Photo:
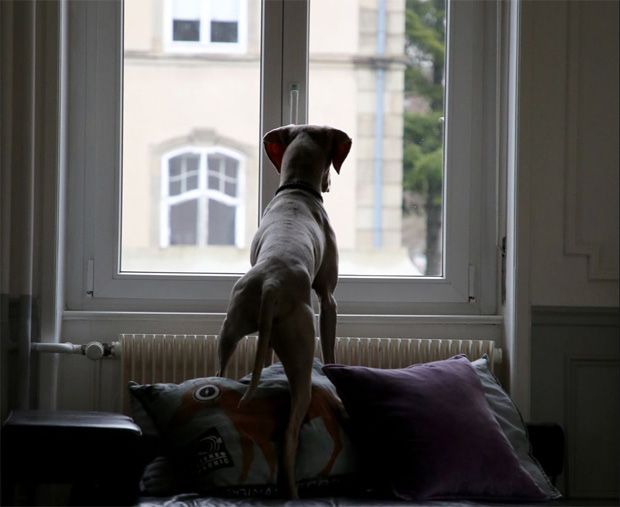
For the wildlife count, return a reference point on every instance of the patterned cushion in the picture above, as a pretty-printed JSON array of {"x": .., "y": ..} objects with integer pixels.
[{"x": 221, "y": 449}]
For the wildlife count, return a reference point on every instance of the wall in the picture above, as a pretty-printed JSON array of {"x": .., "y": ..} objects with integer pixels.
[{"x": 569, "y": 146}]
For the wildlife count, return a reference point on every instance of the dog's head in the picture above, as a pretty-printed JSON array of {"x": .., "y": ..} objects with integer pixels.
[{"x": 329, "y": 144}]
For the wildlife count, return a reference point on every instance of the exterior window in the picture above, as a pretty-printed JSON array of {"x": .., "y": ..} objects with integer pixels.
[
  {"x": 414, "y": 207},
  {"x": 205, "y": 25},
  {"x": 201, "y": 199}
]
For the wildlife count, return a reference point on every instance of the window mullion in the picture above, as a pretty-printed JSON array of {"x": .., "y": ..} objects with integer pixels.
[
  {"x": 205, "y": 28},
  {"x": 285, "y": 63},
  {"x": 295, "y": 45},
  {"x": 271, "y": 91},
  {"x": 201, "y": 223}
]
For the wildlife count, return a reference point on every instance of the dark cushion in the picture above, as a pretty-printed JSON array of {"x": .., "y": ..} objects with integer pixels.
[
  {"x": 215, "y": 447},
  {"x": 427, "y": 432},
  {"x": 547, "y": 447},
  {"x": 73, "y": 447},
  {"x": 64, "y": 440}
]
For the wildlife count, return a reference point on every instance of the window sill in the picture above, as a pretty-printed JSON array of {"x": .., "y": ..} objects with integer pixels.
[{"x": 405, "y": 326}]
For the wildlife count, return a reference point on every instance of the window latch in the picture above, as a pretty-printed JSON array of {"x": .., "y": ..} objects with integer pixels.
[
  {"x": 471, "y": 295},
  {"x": 294, "y": 104},
  {"x": 90, "y": 278}
]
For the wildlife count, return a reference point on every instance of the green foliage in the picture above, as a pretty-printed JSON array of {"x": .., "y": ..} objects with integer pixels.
[
  {"x": 424, "y": 130},
  {"x": 423, "y": 154},
  {"x": 417, "y": 83},
  {"x": 425, "y": 30},
  {"x": 423, "y": 133}
]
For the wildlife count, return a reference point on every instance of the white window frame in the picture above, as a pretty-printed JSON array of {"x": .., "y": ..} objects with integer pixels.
[
  {"x": 203, "y": 191},
  {"x": 469, "y": 284},
  {"x": 204, "y": 45}
]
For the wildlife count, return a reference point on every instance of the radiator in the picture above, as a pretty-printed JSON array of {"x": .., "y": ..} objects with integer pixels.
[{"x": 151, "y": 358}]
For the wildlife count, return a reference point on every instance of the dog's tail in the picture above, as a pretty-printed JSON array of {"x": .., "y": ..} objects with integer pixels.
[{"x": 265, "y": 319}]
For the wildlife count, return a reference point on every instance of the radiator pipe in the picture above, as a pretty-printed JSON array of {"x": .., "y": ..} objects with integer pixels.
[{"x": 92, "y": 350}]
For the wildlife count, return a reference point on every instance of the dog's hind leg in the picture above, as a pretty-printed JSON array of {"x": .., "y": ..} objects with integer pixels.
[
  {"x": 296, "y": 356},
  {"x": 230, "y": 335}
]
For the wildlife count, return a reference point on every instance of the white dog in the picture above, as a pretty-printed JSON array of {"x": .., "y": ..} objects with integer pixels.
[{"x": 293, "y": 251}]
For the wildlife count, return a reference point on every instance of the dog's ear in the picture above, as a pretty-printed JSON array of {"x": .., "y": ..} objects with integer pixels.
[
  {"x": 275, "y": 142},
  {"x": 341, "y": 145}
]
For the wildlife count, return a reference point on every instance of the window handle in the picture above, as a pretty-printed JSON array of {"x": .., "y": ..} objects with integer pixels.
[{"x": 294, "y": 103}]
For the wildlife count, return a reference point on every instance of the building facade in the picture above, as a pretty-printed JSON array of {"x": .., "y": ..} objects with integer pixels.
[{"x": 191, "y": 140}]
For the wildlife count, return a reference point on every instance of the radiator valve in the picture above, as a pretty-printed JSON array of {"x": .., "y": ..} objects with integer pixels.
[{"x": 94, "y": 350}]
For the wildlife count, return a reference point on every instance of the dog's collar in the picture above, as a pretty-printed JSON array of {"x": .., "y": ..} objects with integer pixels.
[{"x": 299, "y": 185}]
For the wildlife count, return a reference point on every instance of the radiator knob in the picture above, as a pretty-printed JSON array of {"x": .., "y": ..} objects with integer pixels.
[{"x": 93, "y": 350}]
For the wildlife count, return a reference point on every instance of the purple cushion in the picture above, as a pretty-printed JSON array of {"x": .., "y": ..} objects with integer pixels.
[{"x": 428, "y": 432}]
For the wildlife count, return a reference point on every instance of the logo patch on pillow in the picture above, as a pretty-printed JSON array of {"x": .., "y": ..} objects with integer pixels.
[{"x": 211, "y": 453}]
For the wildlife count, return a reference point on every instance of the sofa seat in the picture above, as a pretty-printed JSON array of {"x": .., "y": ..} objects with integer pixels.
[{"x": 192, "y": 500}]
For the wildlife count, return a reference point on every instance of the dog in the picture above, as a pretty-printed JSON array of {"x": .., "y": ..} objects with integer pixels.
[{"x": 293, "y": 251}]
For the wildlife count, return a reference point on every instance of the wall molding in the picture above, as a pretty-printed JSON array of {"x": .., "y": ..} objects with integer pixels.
[
  {"x": 582, "y": 421},
  {"x": 574, "y": 243},
  {"x": 575, "y": 375},
  {"x": 576, "y": 316}
]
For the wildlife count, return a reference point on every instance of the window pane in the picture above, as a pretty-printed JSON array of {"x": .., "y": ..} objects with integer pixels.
[
  {"x": 224, "y": 31},
  {"x": 186, "y": 30},
  {"x": 192, "y": 182},
  {"x": 192, "y": 161},
  {"x": 230, "y": 189},
  {"x": 386, "y": 204},
  {"x": 221, "y": 224},
  {"x": 214, "y": 182},
  {"x": 184, "y": 223},
  {"x": 230, "y": 168},
  {"x": 183, "y": 173},
  {"x": 175, "y": 166},
  {"x": 174, "y": 188},
  {"x": 174, "y": 102}
]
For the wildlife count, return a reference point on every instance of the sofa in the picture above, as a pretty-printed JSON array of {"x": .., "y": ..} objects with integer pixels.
[{"x": 438, "y": 434}]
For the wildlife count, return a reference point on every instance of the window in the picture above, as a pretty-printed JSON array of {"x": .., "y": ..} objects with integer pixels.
[
  {"x": 415, "y": 206},
  {"x": 201, "y": 199},
  {"x": 394, "y": 102},
  {"x": 205, "y": 25}
]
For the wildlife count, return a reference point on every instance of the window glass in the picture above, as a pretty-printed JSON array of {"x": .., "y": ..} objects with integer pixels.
[
  {"x": 223, "y": 174},
  {"x": 186, "y": 20},
  {"x": 386, "y": 205},
  {"x": 190, "y": 127},
  {"x": 224, "y": 31},
  {"x": 183, "y": 223},
  {"x": 221, "y": 226},
  {"x": 183, "y": 173},
  {"x": 378, "y": 76}
]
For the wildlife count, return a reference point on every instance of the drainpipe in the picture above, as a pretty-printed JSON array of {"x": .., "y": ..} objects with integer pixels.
[{"x": 379, "y": 110}]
